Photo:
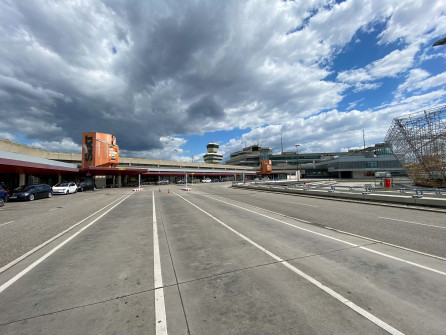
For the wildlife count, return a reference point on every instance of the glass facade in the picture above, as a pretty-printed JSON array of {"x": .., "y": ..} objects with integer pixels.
[{"x": 343, "y": 164}]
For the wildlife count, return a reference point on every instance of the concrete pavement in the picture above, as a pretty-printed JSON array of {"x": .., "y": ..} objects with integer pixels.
[{"x": 232, "y": 261}]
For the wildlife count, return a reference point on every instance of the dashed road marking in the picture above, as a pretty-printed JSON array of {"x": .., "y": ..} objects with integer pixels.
[
  {"x": 4, "y": 224},
  {"x": 380, "y": 323},
  {"x": 411, "y": 222},
  {"x": 331, "y": 237},
  {"x": 300, "y": 204}
]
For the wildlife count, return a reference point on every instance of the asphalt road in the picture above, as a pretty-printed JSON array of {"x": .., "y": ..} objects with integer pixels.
[{"x": 218, "y": 260}]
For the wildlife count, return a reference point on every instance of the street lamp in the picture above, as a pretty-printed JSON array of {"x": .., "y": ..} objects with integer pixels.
[
  {"x": 441, "y": 41},
  {"x": 297, "y": 161}
]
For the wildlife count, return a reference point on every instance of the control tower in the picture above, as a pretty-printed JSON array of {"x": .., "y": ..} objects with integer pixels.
[{"x": 213, "y": 157}]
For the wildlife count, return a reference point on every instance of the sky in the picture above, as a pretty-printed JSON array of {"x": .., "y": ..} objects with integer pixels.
[{"x": 168, "y": 77}]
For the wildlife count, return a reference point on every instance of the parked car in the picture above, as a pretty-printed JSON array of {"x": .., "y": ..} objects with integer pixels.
[
  {"x": 182, "y": 181},
  {"x": 215, "y": 180},
  {"x": 4, "y": 196},
  {"x": 206, "y": 180},
  {"x": 85, "y": 186},
  {"x": 65, "y": 188},
  {"x": 163, "y": 182},
  {"x": 31, "y": 192}
]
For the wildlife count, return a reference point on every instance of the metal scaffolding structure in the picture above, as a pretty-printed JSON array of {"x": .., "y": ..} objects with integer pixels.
[{"x": 419, "y": 142}]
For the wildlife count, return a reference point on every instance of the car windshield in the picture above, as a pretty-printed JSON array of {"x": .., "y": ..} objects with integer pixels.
[
  {"x": 25, "y": 188},
  {"x": 61, "y": 185}
]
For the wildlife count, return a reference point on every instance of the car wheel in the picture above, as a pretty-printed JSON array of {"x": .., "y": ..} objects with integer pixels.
[
  {"x": 81, "y": 189},
  {"x": 67, "y": 192},
  {"x": 31, "y": 197},
  {"x": 2, "y": 202},
  {"x": 50, "y": 194}
]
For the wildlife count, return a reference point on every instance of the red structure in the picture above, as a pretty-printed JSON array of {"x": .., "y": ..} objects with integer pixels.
[{"x": 99, "y": 150}]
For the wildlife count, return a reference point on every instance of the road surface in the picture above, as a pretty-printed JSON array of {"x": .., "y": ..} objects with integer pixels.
[{"x": 218, "y": 260}]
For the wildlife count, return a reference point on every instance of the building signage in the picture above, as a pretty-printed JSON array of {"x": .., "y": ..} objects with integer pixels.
[
  {"x": 99, "y": 150},
  {"x": 88, "y": 143}
]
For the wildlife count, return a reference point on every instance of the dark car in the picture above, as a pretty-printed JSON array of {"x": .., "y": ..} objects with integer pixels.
[
  {"x": 31, "y": 192},
  {"x": 85, "y": 186},
  {"x": 4, "y": 196}
]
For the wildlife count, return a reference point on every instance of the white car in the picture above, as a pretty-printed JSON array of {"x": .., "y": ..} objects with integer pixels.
[
  {"x": 64, "y": 188},
  {"x": 207, "y": 180}
]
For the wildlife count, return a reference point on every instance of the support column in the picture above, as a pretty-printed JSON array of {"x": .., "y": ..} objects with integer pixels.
[
  {"x": 22, "y": 179},
  {"x": 59, "y": 178},
  {"x": 119, "y": 181}
]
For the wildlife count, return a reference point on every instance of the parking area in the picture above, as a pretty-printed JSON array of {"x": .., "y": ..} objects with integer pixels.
[{"x": 24, "y": 225}]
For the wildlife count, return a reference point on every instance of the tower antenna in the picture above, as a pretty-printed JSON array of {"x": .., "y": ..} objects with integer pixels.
[
  {"x": 281, "y": 141},
  {"x": 363, "y": 137}
]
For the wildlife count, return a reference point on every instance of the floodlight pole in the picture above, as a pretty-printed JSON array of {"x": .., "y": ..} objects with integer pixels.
[{"x": 297, "y": 162}]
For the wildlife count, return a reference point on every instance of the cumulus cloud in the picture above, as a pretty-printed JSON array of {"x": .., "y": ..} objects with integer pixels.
[
  {"x": 153, "y": 72},
  {"x": 391, "y": 65},
  {"x": 420, "y": 80},
  {"x": 171, "y": 150},
  {"x": 65, "y": 145}
]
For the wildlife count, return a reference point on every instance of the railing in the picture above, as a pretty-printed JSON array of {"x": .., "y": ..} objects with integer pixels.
[{"x": 415, "y": 192}]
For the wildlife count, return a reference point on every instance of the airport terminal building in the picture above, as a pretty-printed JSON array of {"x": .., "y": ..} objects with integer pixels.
[
  {"x": 352, "y": 164},
  {"x": 20, "y": 164}
]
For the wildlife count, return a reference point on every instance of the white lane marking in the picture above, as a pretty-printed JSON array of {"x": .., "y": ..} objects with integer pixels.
[
  {"x": 380, "y": 323},
  {"x": 4, "y": 224},
  {"x": 389, "y": 244},
  {"x": 344, "y": 232},
  {"x": 333, "y": 238},
  {"x": 300, "y": 204},
  {"x": 262, "y": 209},
  {"x": 160, "y": 308},
  {"x": 14, "y": 262},
  {"x": 411, "y": 222},
  {"x": 52, "y": 251}
]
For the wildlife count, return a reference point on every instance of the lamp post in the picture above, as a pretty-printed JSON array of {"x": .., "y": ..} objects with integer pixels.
[
  {"x": 297, "y": 162},
  {"x": 441, "y": 41}
]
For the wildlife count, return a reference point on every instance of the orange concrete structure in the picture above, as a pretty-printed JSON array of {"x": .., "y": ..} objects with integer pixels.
[
  {"x": 266, "y": 167},
  {"x": 99, "y": 150}
]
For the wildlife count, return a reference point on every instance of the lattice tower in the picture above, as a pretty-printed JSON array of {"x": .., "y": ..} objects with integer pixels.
[{"x": 419, "y": 142}]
